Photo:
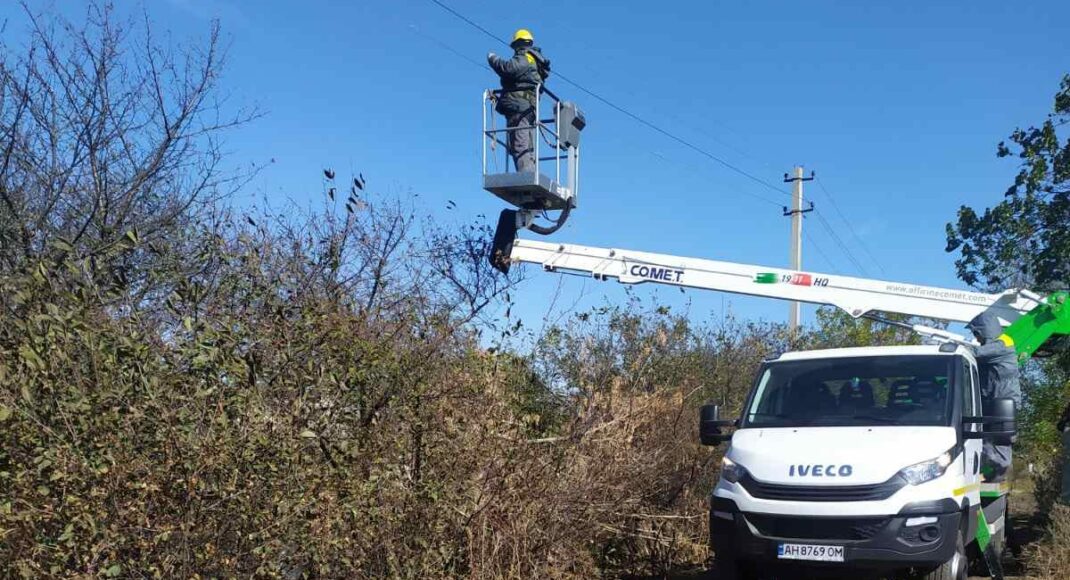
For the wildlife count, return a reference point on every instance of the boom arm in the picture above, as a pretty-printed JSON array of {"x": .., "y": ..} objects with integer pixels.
[
  {"x": 1033, "y": 318},
  {"x": 1032, "y": 331}
]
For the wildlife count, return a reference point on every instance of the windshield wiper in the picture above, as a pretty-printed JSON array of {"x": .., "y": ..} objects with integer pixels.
[{"x": 875, "y": 418}]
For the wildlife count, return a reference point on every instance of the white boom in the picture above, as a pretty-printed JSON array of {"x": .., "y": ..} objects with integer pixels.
[{"x": 856, "y": 296}]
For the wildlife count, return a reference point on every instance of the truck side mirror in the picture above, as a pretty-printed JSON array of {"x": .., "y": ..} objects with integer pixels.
[
  {"x": 1006, "y": 428},
  {"x": 999, "y": 422},
  {"x": 710, "y": 423}
]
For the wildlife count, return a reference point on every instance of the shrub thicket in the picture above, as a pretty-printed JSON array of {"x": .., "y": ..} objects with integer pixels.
[{"x": 269, "y": 424}]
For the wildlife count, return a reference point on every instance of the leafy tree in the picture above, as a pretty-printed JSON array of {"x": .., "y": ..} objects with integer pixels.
[
  {"x": 1024, "y": 240},
  {"x": 835, "y": 328}
]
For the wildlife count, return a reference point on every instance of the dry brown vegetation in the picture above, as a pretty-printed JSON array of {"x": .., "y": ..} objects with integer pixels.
[
  {"x": 265, "y": 424},
  {"x": 1047, "y": 555},
  {"x": 1050, "y": 558}
]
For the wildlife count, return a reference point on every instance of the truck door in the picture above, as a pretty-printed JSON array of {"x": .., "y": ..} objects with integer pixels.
[{"x": 971, "y": 406}]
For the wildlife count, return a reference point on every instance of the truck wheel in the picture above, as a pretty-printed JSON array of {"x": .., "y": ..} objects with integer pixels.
[{"x": 954, "y": 568}]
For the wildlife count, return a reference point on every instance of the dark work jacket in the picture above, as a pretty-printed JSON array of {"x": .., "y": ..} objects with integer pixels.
[
  {"x": 997, "y": 362},
  {"x": 520, "y": 77}
]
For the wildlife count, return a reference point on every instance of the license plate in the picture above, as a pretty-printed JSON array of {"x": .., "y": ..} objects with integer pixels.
[{"x": 810, "y": 552}]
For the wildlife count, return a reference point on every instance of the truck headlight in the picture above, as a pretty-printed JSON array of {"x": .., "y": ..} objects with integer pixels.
[
  {"x": 919, "y": 473},
  {"x": 731, "y": 471}
]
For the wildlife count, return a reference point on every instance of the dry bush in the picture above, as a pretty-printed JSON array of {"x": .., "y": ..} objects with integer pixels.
[
  {"x": 1050, "y": 558},
  {"x": 273, "y": 428},
  {"x": 624, "y": 474}
]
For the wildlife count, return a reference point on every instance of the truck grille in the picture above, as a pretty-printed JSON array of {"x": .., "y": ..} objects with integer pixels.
[
  {"x": 846, "y": 529},
  {"x": 874, "y": 492}
]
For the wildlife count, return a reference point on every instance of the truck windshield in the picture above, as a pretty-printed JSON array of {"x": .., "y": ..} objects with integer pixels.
[{"x": 854, "y": 391}]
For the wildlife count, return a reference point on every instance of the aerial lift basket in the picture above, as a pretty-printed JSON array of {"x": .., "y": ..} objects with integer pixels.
[{"x": 553, "y": 186}]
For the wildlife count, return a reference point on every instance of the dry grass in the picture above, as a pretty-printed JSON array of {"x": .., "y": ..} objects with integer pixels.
[{"x": 1050, "y": 557}]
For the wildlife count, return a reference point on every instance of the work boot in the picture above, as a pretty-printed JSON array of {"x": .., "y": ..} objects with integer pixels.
[{"x": 993, "y": 473}]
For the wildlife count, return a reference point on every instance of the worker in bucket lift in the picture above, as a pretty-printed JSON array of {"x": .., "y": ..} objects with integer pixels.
[
  {"x": 521, "y": 76},
  {"x": 997, "y": 362}
]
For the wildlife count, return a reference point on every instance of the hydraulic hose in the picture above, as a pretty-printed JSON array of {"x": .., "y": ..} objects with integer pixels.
[{"x": 545, "y": 231}]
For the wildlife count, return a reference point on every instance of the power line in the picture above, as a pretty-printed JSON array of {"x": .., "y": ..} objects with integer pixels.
[
  {"x": 839, "y": 242},
  {"x": 693, "y": 166},
  {"x": 820, "y": 252},
  {"x": 624, "y": 111},
  {"x": 708, "y": 133},
  {"x": 674, "y": 137},
  {"x": 448, "y": 48},
  {"x": 470, "y": 22},
  {"x": 854, "y": 234}
]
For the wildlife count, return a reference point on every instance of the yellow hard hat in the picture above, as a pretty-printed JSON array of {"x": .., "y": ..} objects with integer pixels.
[{"x": 523, "y": 34}]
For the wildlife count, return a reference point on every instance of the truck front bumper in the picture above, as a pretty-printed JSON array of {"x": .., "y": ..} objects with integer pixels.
[{"x": 871, "y": 542}]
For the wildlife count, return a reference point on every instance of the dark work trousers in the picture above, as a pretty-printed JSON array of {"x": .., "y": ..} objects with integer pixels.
[
  {"x": 996, "y": 459},
  {"x": 522, "y": 141}
]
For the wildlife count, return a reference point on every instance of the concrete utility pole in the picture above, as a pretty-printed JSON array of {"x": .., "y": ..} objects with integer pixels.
[{"x": 796, "y": 213}]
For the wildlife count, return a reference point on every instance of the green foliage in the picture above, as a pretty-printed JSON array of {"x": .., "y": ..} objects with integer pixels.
[
  {"x": 540, "y": 407},
  {"x": 836, "y": 329},
  {"x": 1024, "y": 240},
  {"x": 1046, "y": 389}
]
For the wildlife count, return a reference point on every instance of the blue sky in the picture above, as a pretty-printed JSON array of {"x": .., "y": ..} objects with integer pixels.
[{"x": 897, "y": 106}]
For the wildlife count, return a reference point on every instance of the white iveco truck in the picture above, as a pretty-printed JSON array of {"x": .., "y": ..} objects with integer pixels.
[
  {"x": 854, "y": 459},
  {"x": 859, "y": 458}
]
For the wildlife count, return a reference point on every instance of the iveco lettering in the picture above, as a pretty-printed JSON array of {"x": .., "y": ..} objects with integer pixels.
[{"x": 819, "y": 470}]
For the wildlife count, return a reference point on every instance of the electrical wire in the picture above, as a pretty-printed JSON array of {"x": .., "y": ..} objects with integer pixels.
[
  {"x": 820, "y": 252},
  {"x": 854, "y": 234},
  {"x": 839, "y": 242},
  {"x": 470, "y": 22},
  {"x": 448, "y": 48}
]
